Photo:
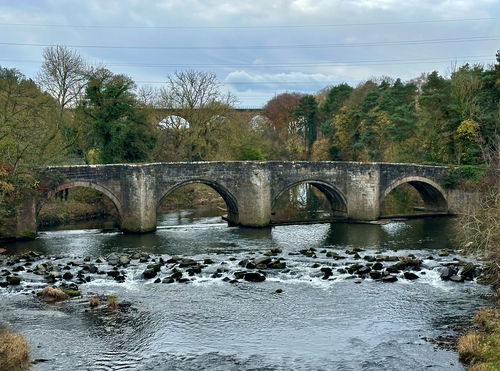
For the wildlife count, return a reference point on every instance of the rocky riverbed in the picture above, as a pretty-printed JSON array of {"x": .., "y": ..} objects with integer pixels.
[
  {"x": 32, "y": 270},
  {"x": 204, "y": 296}
]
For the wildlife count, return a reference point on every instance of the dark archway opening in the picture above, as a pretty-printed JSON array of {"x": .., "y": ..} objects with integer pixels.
[
  {"x": 308, "y": 202},
  {"x": 413, "y": 198},
  {"x": 77, "y": 207},
  {"x": 197, "y": 202}
]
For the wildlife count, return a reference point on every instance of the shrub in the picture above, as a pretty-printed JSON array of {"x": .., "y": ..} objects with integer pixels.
[
  {"x": 94, "y": 302},
  {"x": 112, "y": 302},
  {"x": 52, "y": 294},
  {"x": 13, "y": 351},
  {"x": 468, "y": 347}
]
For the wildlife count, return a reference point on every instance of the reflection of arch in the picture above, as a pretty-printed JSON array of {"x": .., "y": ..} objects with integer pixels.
[
  {"x": 432, "y": 194},
  {"x": 338, "y": 202},
  {"x": 74, "y": 184},
  {"x": 229, "y": 199}
]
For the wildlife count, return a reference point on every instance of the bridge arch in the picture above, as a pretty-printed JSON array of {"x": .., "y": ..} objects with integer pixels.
[
  {"x": 227, "y": 196},
  {"x": 432, "y": 194},
  {"x": 61, "y": 187},
  {"x": 338, "y": 201}
]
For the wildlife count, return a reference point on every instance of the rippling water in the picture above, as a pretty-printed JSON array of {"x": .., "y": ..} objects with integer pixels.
[{"x": 314, "y": 324}]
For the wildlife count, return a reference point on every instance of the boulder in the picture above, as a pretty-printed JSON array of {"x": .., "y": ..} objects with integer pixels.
[
  {"x": 155, "y": 267},
  {"x": 327, "y": 272},
  {"x": 456, "y": 278},
  {"x": 364, "y": 270},
  {"x": 375, "y": 275},
  {"x": 148, "y": 273},
  {"x": 277, "y": 265},
  {"x": 389, "y": 278},
  {"x": 309, "y": 253},
  {"x": 67, "y": 275},
  {"x": 13, "y": 280},
  {"x": 124, "y": 260},
  {"x": 119, "y": 278},
  {"x": 250, "y": 265},
  {"x": 264, "y": 260},
  {"x": 468, "y": 271},
  {"x": 410, "y": 276},
  {"x": 393, "y": 268},
  {"x": 447, "y": 272},
  {"x": 254, "y": 277},
  {"x": 113, "y": 259},
  {"x": 176, "y": 275},
  {"x": 195, "y": 269},
  {"x": 187, "y": 262},
  {"x": 377, "y": 266},
  {"x": 113, "y": 273}
]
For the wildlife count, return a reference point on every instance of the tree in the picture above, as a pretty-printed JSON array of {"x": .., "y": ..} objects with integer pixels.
[
  {"x": 279, "y": 110},
  {"x": 116, "y": 122},
  {"x": 197, "y": 112},
  {"x": 335, "y": 98},
  {"x": 63, "y": 75},
  {"x": 306, "y": 115},
  {"x": 29, "y": 135}
]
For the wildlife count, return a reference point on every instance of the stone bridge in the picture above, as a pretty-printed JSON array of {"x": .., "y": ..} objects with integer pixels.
[{"x": 250, "y": 189}]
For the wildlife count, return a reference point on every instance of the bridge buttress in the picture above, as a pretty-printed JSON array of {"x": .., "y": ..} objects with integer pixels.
[
  {"x": 254, "y": 199},
  {"x": 363, "y": 191},
  {"x": 25, "y": 218},
  {"x": 139, "y": 202}
]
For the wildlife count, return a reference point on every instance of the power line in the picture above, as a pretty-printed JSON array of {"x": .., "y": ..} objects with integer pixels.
[
  {"x": 246, "y": 27},
  {"x": 284, "y": 64},
  {"x": 291, "y": 46}
]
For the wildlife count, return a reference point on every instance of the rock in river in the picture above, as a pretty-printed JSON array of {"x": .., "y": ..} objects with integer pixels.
[
  {"x": 149, "y": 273},
  {"x": 411, "y": 276},
  {"x": 389, "y": 278},
  {"x": 254, "y": 277}
]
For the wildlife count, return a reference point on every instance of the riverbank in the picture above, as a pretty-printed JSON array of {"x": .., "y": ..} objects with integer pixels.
[
  {"x": 56, "y": 213},
  {"x": 479, "y": 349}
]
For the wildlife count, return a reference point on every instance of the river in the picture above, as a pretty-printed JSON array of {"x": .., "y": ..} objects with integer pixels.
[{"x": 294, "y": 320}]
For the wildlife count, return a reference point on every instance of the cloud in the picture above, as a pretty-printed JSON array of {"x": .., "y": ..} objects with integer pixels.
[
  {"x": 254, "y": 74},
  {"x": 245, "y": 81}
]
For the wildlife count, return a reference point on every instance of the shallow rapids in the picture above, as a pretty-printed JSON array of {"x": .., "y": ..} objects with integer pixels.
[{"x": 294, "y": 320}]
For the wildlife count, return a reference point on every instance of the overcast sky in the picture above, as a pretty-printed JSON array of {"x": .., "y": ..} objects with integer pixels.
[{"x": 257, "y": 48}]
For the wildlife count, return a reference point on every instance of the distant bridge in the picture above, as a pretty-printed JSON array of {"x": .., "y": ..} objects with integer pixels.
[{"x": 250, "y": 189}]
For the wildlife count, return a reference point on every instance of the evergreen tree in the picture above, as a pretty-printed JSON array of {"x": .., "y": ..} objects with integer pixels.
[
  {"x": 306, "y": 114},
  {"x": 116, "y": 122}
]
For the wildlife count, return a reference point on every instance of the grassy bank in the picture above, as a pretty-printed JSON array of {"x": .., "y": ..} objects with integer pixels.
[
  {"x": 479, "y": 232},
  {"x": 14, "y": 354},
  {"x": 479, "y": 349}
]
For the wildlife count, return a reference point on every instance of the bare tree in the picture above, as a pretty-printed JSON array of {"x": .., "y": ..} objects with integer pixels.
[
  {"x": 196, "y": 108},
  {"x": 63, "y": 75}
]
